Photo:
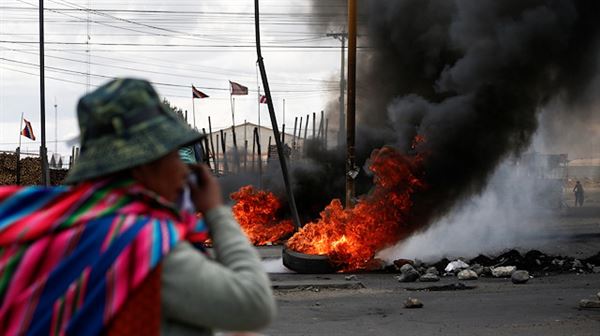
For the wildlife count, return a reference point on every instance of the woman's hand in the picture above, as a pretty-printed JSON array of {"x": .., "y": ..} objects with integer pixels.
[{"x": 206, "y": 194}]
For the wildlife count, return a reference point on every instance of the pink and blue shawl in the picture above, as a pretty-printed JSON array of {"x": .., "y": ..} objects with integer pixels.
[{"x": 69, "y": 257}]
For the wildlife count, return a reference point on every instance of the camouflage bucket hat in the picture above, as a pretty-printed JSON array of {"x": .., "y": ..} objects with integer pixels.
[{"x": 124, "y": 124}]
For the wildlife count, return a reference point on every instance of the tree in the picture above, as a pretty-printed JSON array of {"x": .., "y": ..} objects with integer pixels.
[{"x": 175, "y": 109}]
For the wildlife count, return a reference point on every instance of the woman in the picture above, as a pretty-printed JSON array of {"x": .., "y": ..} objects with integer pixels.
[{"x": 114, "y": 253}]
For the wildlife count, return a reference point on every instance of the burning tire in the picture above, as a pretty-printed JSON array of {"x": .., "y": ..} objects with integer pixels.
[{"x": 307, "y": 263}]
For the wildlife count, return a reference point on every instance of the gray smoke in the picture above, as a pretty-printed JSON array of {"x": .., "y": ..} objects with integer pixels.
[{"x": 470, "y": 76}]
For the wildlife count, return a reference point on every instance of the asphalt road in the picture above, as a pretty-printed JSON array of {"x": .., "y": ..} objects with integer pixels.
[
  {"x": 544, "y": 306},
  {"x": 324, "y": 305}
]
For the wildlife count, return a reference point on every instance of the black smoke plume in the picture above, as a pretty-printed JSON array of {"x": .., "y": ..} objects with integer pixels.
[{"x": 470, "y": 76}]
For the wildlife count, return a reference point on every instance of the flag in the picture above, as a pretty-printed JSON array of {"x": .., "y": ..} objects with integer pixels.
[
  {"x": 238, "y": 89},
  {"x": 262, "y": 99},
  {"x": 28, "y": 130},
  {"x": 198, "y": 94}
]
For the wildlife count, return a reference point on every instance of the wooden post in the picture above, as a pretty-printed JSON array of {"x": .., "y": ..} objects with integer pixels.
[
  {"x": 245, "y": 155},
  {"x": 314, "y": 125},
  {"x": 351, "y": 106},
  {"x": 269, "y": 149},
  {"x": 72, "y": 157},
  {"x": 218, "y": 167},
  {"x": 212, "y": 147},
  {"x": 283, "y": 135},
  {"x": 253, "y": 150},
  {"x": 294, "y": 134},
  {"x": 306, "y": 127},
  {"x": 205, "y": 148},
  {"x": 282, "y": 162},
  {"x": 326, "y": 131},
  {"x": 236, "y": 153},
  {"x": 18, "y": 172},
  {"x": 259, "y": 158},
  {"x": 224, "y": 149},
  {"x": 300, "y": 129},
  {"x": 320, "y": 133}
]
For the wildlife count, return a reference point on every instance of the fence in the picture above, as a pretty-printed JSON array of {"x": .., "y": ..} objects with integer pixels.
[{"x": 24, "y": 168}]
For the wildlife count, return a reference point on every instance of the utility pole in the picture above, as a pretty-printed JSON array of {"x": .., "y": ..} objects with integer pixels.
[
  {"x": 342, "y": 130},
  {"x": 280, "y": 153},
  {"x": 351, "y": 170},
  {"x": 43, "y": 152}
]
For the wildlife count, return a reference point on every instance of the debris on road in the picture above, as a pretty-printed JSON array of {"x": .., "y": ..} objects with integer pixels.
[
  {"x": 408, "y": 274},
  {"x": 351, "y": 277},
  {"x": 589, "y": 303},
  {"x": 503, "y": 271},
  {"x": 456, "y": 266},
  {"x": 429, "y": 277},
  {"x": 401, "y": 262},
  {"x": 413, "y": 303},
  {"x": 432, "y": 270},
  {"x": 520, "y": 277},
  {"x": 477, "y": 269},
  {"x": 467, "y": 275},
  {"x": 535, "y": 262}
]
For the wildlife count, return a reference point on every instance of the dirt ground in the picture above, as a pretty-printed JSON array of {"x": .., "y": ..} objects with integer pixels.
[{"x": 320, "y": 305}]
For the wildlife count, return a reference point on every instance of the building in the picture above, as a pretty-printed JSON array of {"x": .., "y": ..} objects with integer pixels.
[{"x": 226, "y": 158}]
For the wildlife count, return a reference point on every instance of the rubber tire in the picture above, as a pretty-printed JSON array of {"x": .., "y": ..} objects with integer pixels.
[{"x": 307, "y": 263}]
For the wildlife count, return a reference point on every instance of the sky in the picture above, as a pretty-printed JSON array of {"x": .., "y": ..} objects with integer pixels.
[{"x": 174, "y": 44}]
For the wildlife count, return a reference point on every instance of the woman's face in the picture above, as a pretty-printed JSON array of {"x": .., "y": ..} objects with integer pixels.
[{"x": 166, "y": 176}]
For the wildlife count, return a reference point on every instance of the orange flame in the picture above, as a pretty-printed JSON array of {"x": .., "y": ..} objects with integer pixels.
[
  {"x": 256, "y": 211},
  {"x": 351, "y": 237}
]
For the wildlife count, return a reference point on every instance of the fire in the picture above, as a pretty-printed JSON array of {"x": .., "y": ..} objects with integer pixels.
[
  {"x": 351, "y": 237},
  {"x": 256, "y": 211}
]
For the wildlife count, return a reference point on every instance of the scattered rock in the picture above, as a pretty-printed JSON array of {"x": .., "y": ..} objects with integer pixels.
[
  {"x": 351, "y": 277},
  {"x": 477, "y": 269},
  {"x": 487, "y": 271},
  {"x": 429, "y": 277},
  {"x": 401, "y": 262},
  {"x": 598, "y": 295},
  {"x": 503, "y": 271},
  {"x": 577, "y": 264},
  {"x": 482, "y": 260},
  {"x": 440, "y": 265},
  {"x": 456, "y": 266},
  {"x": 409, "y": 274},
  {"x": 511, "y": 257},
  {"x": 467, "y": 275},
  {"x": 413, "y": 303},
  {"x": 594, "y": 260},
  {"x": 519, "y": 277},
  {"x": 432, "y": 270},
  {"x": 596, "y": 269},
  {"x": 587, "y": 304}
]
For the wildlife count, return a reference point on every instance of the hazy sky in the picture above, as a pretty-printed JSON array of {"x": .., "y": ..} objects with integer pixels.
[{"x": 172, "y": 43}]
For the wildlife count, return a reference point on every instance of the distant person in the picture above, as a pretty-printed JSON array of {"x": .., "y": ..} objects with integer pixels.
[{"x": 578, "y": 190}]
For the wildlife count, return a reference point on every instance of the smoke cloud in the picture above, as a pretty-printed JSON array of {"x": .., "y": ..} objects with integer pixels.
[
  {"x": 475, "y": 78},
  {"x": 515, "y": 210},
  {"x": 472, "y": 77}
]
